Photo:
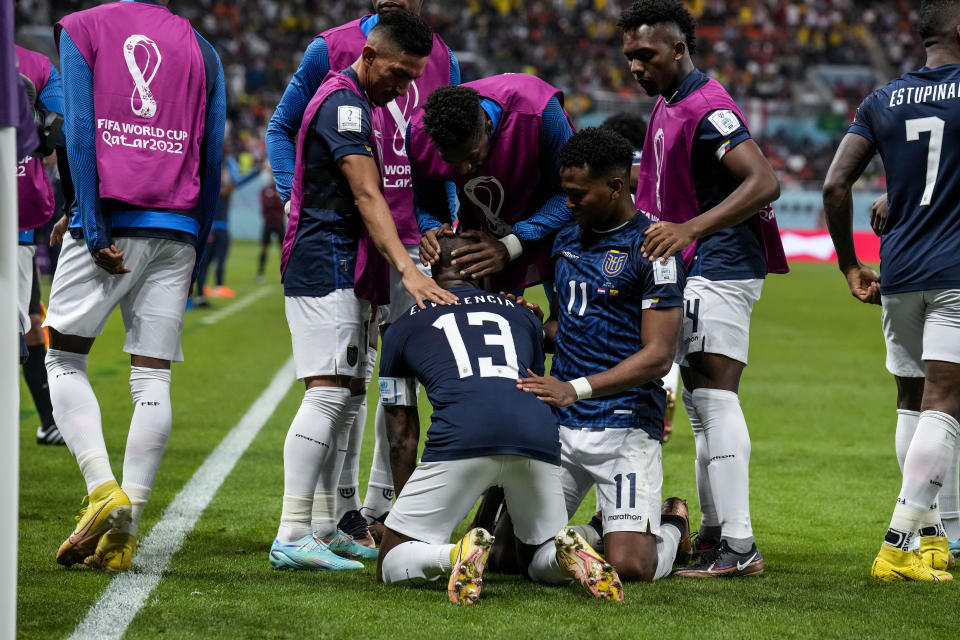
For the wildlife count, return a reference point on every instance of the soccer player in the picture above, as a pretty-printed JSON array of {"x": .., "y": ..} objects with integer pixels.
[
  {"x": 271, "y": 210},
  {"x": 912, "y": 123},
  {"x": 336, "y": 198},
  {"x": 498, "y": 140},
  {"x": 335, "y": 50},
  {"x": 615, "y": 320},
  {"x": 708, "y": 186},
  {"x": 35, "y": 201},
  {"x": 145, "y": 96},
  {"x": 484, "y": 432}
]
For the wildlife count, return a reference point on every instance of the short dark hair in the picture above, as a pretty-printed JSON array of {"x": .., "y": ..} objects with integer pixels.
[
  {"x": 452, "y": 116},
  {"x": 408, "y": 31},
  {"x": 630, "y": 125},
  {"x": 937, "y": 17},
  {"x": 603, "y": 151},
  {"x": 447, "y": 245},
  {"x": 652, "y": 12}
]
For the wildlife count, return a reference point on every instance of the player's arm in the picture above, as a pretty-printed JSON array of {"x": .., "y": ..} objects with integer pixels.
[
  {"x": 758, "y": 187},
  {"x": 398, "y": 397},
  {"x": 660, "y": 329},
  {"x": 488, "y": 255},
  {"x": 52, "y": 98},
  {"x": 433, "y": 205},
  {"x": 82, "y": 155},
  {"x": 853, "y": 156},
  {"x": 211, "y": 150},
  {"x": 285, "y": 123}
]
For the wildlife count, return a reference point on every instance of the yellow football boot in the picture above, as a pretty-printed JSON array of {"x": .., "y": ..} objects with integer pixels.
[
  {"x": 114, "y": 551},
  {"x": 935, "y": 552},
  {"x": 586, "y": 566},
  {"x": 108, "y": 508},
  {"x": 894, "y": 565},
  {"x": 469, "y": 558}
]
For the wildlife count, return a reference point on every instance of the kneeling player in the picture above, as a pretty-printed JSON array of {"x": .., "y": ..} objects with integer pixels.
[
  {"x": 617, "y": 321},
  {"x": 484, "y": 433}
]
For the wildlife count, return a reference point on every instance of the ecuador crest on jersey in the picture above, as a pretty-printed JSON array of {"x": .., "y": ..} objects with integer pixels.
[{"x": 613, "y": 263}]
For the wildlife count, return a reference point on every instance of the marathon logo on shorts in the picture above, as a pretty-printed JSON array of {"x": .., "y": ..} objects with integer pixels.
[
  {"x": 353, "y": 355},
  {"x": 613, "y": 263}
]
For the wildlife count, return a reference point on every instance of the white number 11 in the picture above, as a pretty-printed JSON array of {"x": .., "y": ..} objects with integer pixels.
[{"x": 934, "y": 126}]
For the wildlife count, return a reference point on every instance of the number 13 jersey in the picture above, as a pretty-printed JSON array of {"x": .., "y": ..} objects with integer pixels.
[
  {"x": 603, "y": 286},
  {"x": 915, "y": 124},
  {"x": 468, "y": 357}
]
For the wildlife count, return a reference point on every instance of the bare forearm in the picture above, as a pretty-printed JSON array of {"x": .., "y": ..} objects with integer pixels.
[
  {"x": 754, "y": 193},
  {"x": 640, "y": 368},
  {"x": 838, "y": 209},
  {"x": 383, "y": 231},
  {"x": 403, "y": 436}
]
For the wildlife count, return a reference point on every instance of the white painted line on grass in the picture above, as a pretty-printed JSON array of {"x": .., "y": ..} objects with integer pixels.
[
  {"x": 128, "y": 592},
  {"x": 239, "y": 305}
]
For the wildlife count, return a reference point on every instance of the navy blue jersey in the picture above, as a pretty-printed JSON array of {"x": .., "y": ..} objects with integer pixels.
[
  {"x": 734, "y": 253},
  {"x": 324, "y": 253},
  {"x": 914, "y": 124},
  {"x": 468, "y": 357},
  {"x": 603, "y": 285}
]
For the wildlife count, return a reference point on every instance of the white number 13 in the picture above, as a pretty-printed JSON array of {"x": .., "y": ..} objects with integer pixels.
[
  {"x": 934, "y": 126},
  {"x": 502, "y": 338}
]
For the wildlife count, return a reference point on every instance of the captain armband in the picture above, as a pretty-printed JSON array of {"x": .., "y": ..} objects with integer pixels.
[{"x": 398, "y": 392}]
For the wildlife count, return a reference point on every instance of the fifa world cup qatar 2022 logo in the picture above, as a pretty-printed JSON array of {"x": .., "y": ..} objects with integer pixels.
[
  {"x": 486, "y": 193},
  {"x": 400, "y": 109},
  {"x": 659, "y": 141},
  {"x": 150, "y": 55}
]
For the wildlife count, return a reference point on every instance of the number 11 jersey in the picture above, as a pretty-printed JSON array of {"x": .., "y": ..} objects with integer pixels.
[
  {"x": 914, "y": 121},
  {"x": 468, "y": 357}
]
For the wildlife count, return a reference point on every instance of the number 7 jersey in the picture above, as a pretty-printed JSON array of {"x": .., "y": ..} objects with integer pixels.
[
  {"x": 914, "y": 121},
  {"x": 468, "y": 357}
]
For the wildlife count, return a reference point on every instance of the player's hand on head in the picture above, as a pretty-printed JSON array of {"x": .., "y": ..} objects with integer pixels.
[
  {"x": 485, "y": 256},
  {"x": 878, "y": 214},
  {"x": 424, "y": 289},
  {"x": 523, "y": 302},
  {"x": 864, "y": 284},
  {"x": 548, "y": 389},
  {"x": 110, "y": 260},
  {"x": 663, "y": 239},
  {"x": 59, "y": 230},
  {"x": 429, "y": 245}
]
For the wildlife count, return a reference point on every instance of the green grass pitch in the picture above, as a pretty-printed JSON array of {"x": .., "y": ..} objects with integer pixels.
[{"x": 824, "y": 478}]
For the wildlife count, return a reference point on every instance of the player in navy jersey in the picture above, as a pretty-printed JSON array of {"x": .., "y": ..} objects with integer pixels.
[
  {"x": 912, "y": 122},
  {"x": 708, "y": 185},
  {"x": 484, "y": 432},
  {"x": 615, "y": 321}
]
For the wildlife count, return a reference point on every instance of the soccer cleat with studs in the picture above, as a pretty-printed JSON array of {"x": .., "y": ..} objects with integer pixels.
[
  {"x": 724, "y": 562},
  {"x": 586, "y": 566},
  {"x": 896, "y": 565},
  {"x": 935, "y": 552},
  {"x": 107, "y": 507},
  {"x": 352, "y": 538},
  {"x": 114, "y": 551},
  {"x": 469, "y": 559}
]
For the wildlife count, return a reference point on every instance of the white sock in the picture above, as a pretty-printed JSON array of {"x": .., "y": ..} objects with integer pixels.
[
  {"x": 379, "y": 496},
  {"x": 77, "y": 414},
  {"x": 150, "y": 425},
  {"x": 349, "y": 476},
  {"x": 325, "y": 516},
  {"x": 928, "y": 460},
  {"x": 709, "y": 522},
  {"x": 906, "y": 426},
  {"x": 666, "y": 550},
  {"x": 310, "y": 456},
  {"x": 138, "y": 495},
  {"x": 544, "y": 567},
  {"x": 95, "y": 467},
  {"x": 294, "y": 519},
  {"x": 416, "y": 563},
  {"x": 729, "y": 444},
  {"x": 950, "y": 498}
]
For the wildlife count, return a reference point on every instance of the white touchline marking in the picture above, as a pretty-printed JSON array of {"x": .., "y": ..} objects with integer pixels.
[
  {"x": 239, "y": 305},
  {"x": 127, "y": 593}
]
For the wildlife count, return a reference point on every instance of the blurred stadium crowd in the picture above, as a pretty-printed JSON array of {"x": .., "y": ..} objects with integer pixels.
[{"x": 798, "y": 68}]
